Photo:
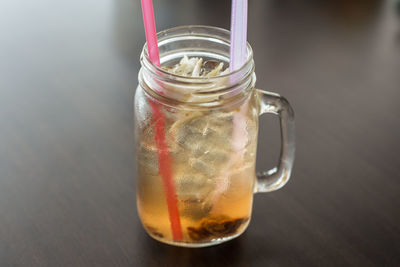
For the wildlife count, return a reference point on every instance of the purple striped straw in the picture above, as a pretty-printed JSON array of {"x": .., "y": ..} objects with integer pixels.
[
  {"x": 238, "y": 34},
  {"x": 237, "y": 59}
]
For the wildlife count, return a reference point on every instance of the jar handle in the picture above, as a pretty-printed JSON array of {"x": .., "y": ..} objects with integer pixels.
[{"x": 277, "y": 177}]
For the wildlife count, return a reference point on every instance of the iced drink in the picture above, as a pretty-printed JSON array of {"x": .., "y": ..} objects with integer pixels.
[{"x": 214, "y": 178}]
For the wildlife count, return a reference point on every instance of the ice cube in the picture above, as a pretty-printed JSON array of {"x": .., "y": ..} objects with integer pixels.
[
  {"x": 202, "y": 166},
  {"x": 202, "y": 133},
  {"x": 195, "y": 67},
  {"x": 147, "y": 151},
  {"x": 148, "y": 160},
  {"x": 215, "y": 71},
  {"x": 194, "y": 191},
  {"x": 194, "y": 184}
]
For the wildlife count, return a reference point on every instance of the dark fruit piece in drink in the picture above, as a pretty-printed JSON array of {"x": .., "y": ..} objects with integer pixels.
[{"x": 215, "y": 227}]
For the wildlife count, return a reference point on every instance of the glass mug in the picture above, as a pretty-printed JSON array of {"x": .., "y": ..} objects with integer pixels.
[{"x": 196, "y": 142}]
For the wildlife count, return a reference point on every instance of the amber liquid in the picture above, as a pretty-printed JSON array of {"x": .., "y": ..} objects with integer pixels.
[{"x": 213, "y": 180}]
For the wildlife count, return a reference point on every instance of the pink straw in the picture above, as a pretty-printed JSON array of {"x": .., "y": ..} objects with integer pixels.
[
  {"x": 164, "y": 158},
  {"x": 150, "y": 30},
  {"x": 238, "y": 34}
]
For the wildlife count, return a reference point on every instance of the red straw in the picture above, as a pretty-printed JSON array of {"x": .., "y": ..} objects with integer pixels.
[{"x": 164, "y": 158}]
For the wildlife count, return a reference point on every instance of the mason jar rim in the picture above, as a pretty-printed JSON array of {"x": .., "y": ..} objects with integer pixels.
[
  {"x": 170, "y": 33},
  {"x": 196, "y": 41}
]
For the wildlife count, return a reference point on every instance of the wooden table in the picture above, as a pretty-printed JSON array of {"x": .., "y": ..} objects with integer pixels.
[{"x": 68, "y": 72}]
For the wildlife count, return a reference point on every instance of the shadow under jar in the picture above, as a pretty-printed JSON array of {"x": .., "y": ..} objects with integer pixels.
[{"x": 196, "y": 142}]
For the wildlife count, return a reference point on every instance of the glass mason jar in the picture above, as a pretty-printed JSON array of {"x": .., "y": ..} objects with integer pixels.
[{"x": 196, "y": 142}]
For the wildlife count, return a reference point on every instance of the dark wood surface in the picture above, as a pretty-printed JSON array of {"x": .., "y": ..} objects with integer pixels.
[{"x": 68, "y": 72}]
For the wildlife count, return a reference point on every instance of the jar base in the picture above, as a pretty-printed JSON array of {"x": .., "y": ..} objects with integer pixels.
[{"x": 209, "y": 243}]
